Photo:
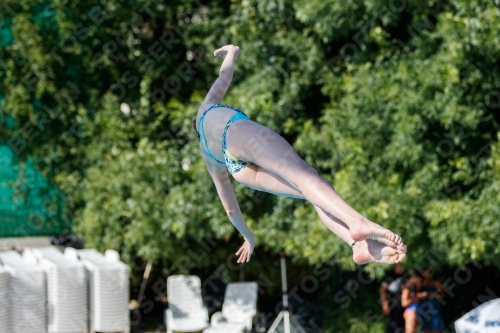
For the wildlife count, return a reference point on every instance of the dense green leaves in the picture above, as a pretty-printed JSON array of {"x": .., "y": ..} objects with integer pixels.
[
  {"x": 396, "y": 102},
  {"x": 400, "y": 125}
]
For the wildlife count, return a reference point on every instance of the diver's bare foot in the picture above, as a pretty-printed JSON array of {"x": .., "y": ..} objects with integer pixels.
[
  {"x": 371, "y": 251},
  {"x": 369, "y": 230}
]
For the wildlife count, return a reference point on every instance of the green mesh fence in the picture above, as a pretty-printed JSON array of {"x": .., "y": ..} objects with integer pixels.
[
  {"x": 28, "y": 205},
  {"x": 29, "y": 223}
]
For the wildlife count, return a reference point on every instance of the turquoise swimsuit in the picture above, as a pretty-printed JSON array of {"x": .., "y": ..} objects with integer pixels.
[{"x": 233, "y": 164}]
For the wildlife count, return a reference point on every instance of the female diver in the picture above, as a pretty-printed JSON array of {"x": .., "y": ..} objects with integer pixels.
[{"x": 261, "y": 159}]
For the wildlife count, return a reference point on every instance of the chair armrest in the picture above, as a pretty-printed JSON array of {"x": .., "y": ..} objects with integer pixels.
[
  {"x": 217, "y": 318},
  {"x": 205, "y": 314},
  {"x": 169, "y": 318},
  {"x": 249, "y": 321}
]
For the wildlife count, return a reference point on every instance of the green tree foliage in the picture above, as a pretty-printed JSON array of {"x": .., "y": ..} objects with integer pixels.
[{"x": 395, "y": 102}]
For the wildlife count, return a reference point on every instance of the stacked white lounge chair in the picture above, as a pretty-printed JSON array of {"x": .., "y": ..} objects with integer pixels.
[
  {"x": 185, "y": 312},
  {"x": 28, "y": 311},
  {"x": 238, "y": 310},
  {"x": 66, "y": 290},
  {"x": 109, "y": 289},
  {"x": 4, "y": 301}
]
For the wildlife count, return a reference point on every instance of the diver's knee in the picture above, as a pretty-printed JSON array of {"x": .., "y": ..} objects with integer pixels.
[{"x": 308, "y": 177}]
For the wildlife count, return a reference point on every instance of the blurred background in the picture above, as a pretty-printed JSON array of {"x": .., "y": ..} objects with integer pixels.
[{"x": 396, "y": 102}]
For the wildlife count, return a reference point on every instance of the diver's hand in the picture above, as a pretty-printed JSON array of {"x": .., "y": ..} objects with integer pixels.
[
  {"x": 225, "y": 49},
  {"x": 245, "y": 252}
]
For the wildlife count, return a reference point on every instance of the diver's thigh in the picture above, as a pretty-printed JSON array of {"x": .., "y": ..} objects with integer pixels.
[
  {"x": 250, "y": 141},
  {"x": 260, "y": 179}
]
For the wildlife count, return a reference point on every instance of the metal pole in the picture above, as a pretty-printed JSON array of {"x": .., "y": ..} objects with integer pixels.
[
  {"x": 285, "y": 315},
  {"x": 286, "y": 318},
  {"x": 297, "y": 324},
  {"x": 277, "y": 321},
  {"x": 286, "y": 321},
  {"x": 283, "y": 282},
  {"x": 145, "y": 278}
]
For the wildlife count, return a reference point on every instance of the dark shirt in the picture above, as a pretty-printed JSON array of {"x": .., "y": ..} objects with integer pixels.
[
  {"x": 431, "y": 304},
  {"x": 395, "y": 284}
]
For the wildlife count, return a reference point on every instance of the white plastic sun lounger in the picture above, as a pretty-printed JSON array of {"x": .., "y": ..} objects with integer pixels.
[
  {"x": 28, "y": 294},
  {"x": 238, "y": 310},
  {"x": 66, "y": 289},
  {"x": 108, "y": 289},
  {"x": 185, "y": 312},
  {"x": 4, "y": 301}
]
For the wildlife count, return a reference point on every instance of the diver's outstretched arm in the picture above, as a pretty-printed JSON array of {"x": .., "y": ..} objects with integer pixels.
[
  {"x": 221, "y": 85},
  {"x": 228, "y": 197}
]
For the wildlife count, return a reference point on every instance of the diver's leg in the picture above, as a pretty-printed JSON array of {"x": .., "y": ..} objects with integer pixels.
[
  {"x": 250, "y": 141},
  {"x": 364, "y": 251}
]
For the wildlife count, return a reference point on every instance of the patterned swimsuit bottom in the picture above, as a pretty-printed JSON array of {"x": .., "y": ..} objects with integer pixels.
[{"x": 233, "y": 164}]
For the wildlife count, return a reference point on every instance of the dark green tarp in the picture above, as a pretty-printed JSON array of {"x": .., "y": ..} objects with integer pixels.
[{"x": 29, "y": 206}]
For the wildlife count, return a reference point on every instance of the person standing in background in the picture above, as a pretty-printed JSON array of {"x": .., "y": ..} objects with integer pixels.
[
  {"x": 410, "y": 300},
  {"x": 430, "y": 307},
  {"x": 390, "y": 297}
]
